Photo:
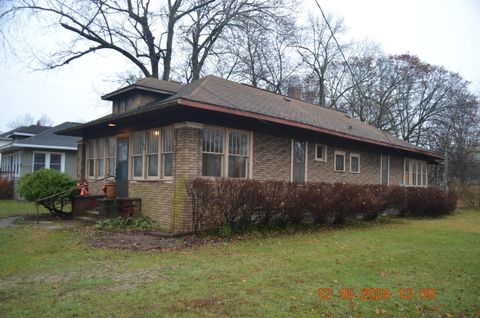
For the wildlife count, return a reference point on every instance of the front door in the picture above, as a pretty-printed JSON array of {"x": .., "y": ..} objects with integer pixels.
[{"x": 122, "y": 168}]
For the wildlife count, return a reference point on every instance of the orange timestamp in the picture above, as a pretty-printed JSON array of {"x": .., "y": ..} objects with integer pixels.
[{"x": 377, "y": 294}]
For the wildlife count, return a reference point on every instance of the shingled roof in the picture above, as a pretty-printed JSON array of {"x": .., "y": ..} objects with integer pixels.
[
  {"x": 49, "y": 140},
  {"x": 30, "y": 130},
  {"x": 221, "y": 95},
  {"x": 148, "y": 84}
]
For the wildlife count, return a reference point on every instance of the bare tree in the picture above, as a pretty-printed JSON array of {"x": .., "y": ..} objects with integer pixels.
[
  {"x": 132, "y": 28},
  {"x": 28, "y": 120}
]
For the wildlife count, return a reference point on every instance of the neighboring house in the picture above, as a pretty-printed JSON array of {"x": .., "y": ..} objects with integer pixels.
[
  {"x": 35, "y": 147},
  {"x": 161, "y": 134}
]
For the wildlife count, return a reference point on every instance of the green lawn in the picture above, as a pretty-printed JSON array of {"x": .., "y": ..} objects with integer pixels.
[
  {"x": 55, "y": 274},
  {"x": 16, "y": 207}
]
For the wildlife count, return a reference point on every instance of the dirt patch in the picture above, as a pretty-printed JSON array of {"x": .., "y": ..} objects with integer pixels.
[{"x": 140, "y": 241}]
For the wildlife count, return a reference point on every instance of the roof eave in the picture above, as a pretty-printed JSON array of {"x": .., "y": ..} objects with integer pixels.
[
  {"x": 212, "y": 107},
  {"x": 20, "y": 145},
  {"x": 112, "y": 95}
]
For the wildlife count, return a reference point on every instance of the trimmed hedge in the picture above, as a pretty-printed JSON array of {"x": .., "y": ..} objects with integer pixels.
[{"x": 240, "y": 204}]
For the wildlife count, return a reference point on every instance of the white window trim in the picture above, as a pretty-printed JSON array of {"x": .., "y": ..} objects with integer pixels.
[
  {"x": 357, "y": 155},
  {"x": 341, "y": 153},
  {"x": 324, "y": 159},
  {"x": 47, "y": 160},
  {"x": 381, "y": 169},
  {"x": 88, "y": 157},
  {"x": 16, "y": 158}
]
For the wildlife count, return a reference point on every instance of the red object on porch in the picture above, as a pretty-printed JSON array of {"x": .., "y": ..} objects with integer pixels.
[{"x": 83, "y": 186}]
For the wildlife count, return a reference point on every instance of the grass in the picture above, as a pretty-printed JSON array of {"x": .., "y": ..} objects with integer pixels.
[
  {"x": 55, "y": 274},
  {"x": 17, "y": 207}
]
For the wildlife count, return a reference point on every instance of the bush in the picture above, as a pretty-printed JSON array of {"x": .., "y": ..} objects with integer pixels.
[
  {"x": 229, "y": 205},
  {"x": 6, "y": 189},
  {"x": 45, "y": 183},
  {"x": 119, "y": 223}
]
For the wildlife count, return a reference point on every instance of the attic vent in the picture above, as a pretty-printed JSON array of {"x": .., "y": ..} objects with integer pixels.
[{"x": 287, "y": 99}]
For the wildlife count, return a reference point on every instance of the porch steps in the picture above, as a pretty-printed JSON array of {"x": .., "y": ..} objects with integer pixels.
[{"x": 89, "y": 216}]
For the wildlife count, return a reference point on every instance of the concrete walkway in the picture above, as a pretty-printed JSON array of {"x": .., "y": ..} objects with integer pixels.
[{"x": 8, "y": 221}]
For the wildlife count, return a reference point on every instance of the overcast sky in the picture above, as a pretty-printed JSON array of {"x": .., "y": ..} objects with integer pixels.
[{"x": 441, "y": 32}]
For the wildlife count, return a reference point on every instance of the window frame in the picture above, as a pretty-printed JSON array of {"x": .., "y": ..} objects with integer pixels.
[
  {"x": 224, "y": 166},
  {"x": 355, "y": 155},
  {"x": 163, "y": 153},
  {"x": 421, "y": 172},
  {"x": 381, "y": 169},
  {"x": 147, "y": 154},
  {"x": 131, "y": 167},
  {"x": 339, "y": 153},
  {"x": 90, "y": 155},
  {"x": 108, "y": 156},
  {"x": 324, "y": 152},
  {"x": 47, "y": 160}
]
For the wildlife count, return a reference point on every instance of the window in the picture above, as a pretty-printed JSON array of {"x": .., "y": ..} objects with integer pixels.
[
  {"x": 355, "y": 163},
  {"x": 415, "y": 173},
  {"x": 56, "y": 161},
  {"x": 217, "y": 162},
  {"x": 39, "y": 161},
  {"x": 384, "y": 169},
  {"x": 110, "y": 158},
  {"x": 12, "y": 163},
  {"x": 47, "y": 160},
  {"x": 299, "y": 152},
  {"x": 167, "y": 151},
  {"x": 339, "y": 162},
  {"x": 137, "y": 154},
  {"x": 237, "y": 154},
  {"x": 213, "y": 139},
  {"x": 100, "y": 153},
  {"x": 320, "y": 152},
  {"x": 152, "y": 152},
  {"x": 91, "y": 158}
]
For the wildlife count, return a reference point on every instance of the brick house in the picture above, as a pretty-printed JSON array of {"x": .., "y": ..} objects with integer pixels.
[{"x": 161, "y": 134}]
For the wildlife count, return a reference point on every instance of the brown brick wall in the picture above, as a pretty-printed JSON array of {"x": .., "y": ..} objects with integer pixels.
[
  {"x": 272, "y": 161},
  {"x": 271, "y": 157},
  {"x": 157, "y": 200}
]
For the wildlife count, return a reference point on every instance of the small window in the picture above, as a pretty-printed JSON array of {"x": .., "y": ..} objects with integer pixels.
[
  {"x": 414, "y": 172},
  {"x": 320, "y": 152},
  {"x": 39, "y": 161},
  {"x": 213, "y": 140},
  {"x": 137, "y": 154},
  {"x": 152, "y": 152},
  {"x": 56, "y": 161},
  {"x": 355, "y": 163},
  {"x": 100, "y": 153},
  {"x": 424, "y": 174},
  {"x": 167, "y": 151},
  {"x": 339, "y": 163},
  {"x": 237, "y": 155}
]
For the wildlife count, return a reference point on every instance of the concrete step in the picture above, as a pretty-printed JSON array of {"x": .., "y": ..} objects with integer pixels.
[
  {"x": 92, "y": 213},
  {"x": 87, "y": 219}
]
